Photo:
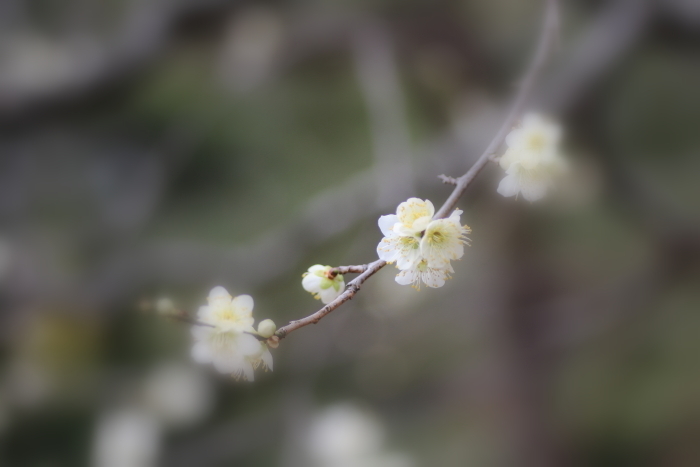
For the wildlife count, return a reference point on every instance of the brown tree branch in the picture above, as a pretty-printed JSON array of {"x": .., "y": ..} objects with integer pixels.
[
  {"x": 350, "y": 269},
  {"x": 352, "y": 288},
  {"x": 544, "y": 49}
]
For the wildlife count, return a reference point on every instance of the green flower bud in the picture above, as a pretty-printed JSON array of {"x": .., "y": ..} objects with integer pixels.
[{"x": 267, "y": 328}]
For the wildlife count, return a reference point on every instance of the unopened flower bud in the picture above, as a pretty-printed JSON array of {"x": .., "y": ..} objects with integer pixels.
[
  {"x": 323, "y": 283},
  {"x": 267, "y": 328}
]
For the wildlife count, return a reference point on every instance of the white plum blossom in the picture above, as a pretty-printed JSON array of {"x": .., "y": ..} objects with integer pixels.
[
  {"x": 322, "y": 283},
  {"x": 412, "y": 217},
  {"x": 444, "y": 241},
  {"x": 127, "y": 438},
  {"x": 432, "y": 277},
  {"x": 225, "y": 335},
  {"x": 402, "y": 232},
  {"x": 532, "y": 160},
  {"x": 421, "y": 247}
]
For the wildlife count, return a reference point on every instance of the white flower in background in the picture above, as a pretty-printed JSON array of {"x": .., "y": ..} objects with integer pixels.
[
  {"x": 532, "y": 161},
  {"x": 421, "y": 247},
  {"x": 226, "y": 338},
  {"x": 179, "y": 395},
  {"x": 126, "y": 438},
  {"x": 322, "y": 283},
  {"x": 421, "y": 272},
  {"x": 344, "y": 435}
]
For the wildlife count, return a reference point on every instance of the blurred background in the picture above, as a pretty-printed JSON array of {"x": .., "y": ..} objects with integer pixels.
[{"x": 159, "y": 148}]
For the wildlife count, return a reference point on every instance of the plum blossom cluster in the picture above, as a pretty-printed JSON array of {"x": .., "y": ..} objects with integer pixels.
[
  {"x": 420, "y": 246},
  {"x": 532, "y": 161},
  {"x": 224, "y": 335}
]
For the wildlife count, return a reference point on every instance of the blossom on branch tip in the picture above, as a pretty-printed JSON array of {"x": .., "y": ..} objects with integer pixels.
[
  {"x": 532, "y": 161},
  {"x": 323, "y": 283},
  {"x": 224, "y": 335},
  {"x": 421, "y": 247}
]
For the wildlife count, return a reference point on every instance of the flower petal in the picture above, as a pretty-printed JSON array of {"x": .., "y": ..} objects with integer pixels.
[
  {"x": 329, "y": 294},
  {"x": 509, "y": 186},
  {"x": 311, "y": 283},
  {"x": 219, "y": 299},
  {"x": 226, "y": 362},
  {"x": 247, "y": 369},
  {"x": 386, "y": 224},
  {"x": 412, "y": 209},
  {"x": 434, "y": 278},
  {"x": 267, "y": 358},
  {"x": 243, "y": 305},
  {"x": 248, "y": 345},
  {"x": 534, "y": 191},
  {"x": 317, "y": 268},
  {"x": 407, "y": 277},
  {"x": 201, "y": 353}
]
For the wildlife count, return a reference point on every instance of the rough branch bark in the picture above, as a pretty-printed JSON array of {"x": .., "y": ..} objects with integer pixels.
[{"x": 543, "y": 50}]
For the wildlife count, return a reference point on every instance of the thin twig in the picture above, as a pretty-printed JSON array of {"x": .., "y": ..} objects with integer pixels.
[
  {"x": 185, "y": 318},
  {"x": 544, "y": 48},
  {"x": 352, "y": 288},
  {"x": 350, "y": 269}
]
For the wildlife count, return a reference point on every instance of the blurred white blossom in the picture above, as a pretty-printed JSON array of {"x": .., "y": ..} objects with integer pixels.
[
  {"x": 532, "y": 161},
  {"x": 126, "y": 438},
  {"x": 226, "y": 338},
  {"x": 31, "y": 63},
  {"x": 421, "y": 247},
  {"x": 178, "y": 394},
  {"x": 344, "y": 435},
  {"x": 322, "y": 283}
]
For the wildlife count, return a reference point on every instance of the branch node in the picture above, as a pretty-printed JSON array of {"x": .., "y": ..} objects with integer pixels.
[{"x": 448, "y": 180}]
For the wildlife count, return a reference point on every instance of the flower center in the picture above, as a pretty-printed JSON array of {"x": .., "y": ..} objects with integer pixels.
[
  {"x": 410, "y": 242},
  {"x": 536, "y": 142},
  {"x": 437, "y": 237}
]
